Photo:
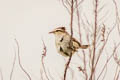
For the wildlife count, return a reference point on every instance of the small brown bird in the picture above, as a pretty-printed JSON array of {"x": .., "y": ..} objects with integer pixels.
[{"x": 62, "y": 41}]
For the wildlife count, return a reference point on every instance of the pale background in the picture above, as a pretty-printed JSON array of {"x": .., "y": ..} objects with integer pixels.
[{"x": 28, "y": 21}]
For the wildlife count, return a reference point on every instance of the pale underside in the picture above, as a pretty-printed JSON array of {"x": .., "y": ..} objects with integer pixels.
[{"x": 63, "y": 44}]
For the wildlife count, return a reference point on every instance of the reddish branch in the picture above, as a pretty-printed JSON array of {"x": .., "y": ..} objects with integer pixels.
[
  {"x": 19, "y": 60},
  {"x": 117, "y": 60},
  {"x": 113, "y": 53},
  {"x": 102, "y": 49},
  {"x": 117, "y": 15},
  {"x": 67, "y": 66},
  {"x": 78, "y": 18},
  {"x": 71, "y": 25},
  {"x": 43, "y": 56},
  {"x": 93, "y": 62},
  {"x": 94, "y": 45},
  {"x": 104, "y": 66},
  {"x": 78, "y": 3},
  {"x": 116, "y": 57}
]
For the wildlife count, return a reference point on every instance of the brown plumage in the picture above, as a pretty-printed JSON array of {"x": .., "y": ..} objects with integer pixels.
[{"x": 62, "y": 41}]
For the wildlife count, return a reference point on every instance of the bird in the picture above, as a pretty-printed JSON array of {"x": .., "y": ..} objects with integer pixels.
[{"x": 63, "y": 40}]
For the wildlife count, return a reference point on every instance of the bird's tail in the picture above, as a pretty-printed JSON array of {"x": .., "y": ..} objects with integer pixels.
[{"x": 84, "y": 46}]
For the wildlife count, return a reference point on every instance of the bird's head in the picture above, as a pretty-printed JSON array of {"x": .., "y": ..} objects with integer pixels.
[{"x": 59, "y": 30}]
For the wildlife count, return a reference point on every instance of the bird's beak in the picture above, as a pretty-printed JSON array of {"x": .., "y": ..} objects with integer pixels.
[{"x": 51, "y": 32}]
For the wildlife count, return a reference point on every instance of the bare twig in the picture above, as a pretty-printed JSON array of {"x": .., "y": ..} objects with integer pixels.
[
  {"x": 13, "y": 65},
  {"x": 100, "y": 9},
  {"x": 67, "y": 8},
  {"x": 78, "y": 18},
  {"x": 116, "y": 58},
  {"x": 43, "y": 56},
  {"x": 116, "y": 73},
  {"x": 19, "y": 59},
  {"x": 84, "y": 25},
  {"x": 114, "y": 51},
  {"x": 94, "y": 45},
  {"x": 78, "y": 4},
  {"x": 52, "y": 78},
  {"x": 102, "y": 49},
  {"x": 105, "y": 73},
  {"x": 82, "y": 70},
  {"x": 68, "y": 2},
  {"x": 117, "y": 15},
  {"x": 71, "y": 25},
  {"x": 67, "y": 66},
  {"x": 104, "y": 66},
  {"x": 117, "y": 77}
]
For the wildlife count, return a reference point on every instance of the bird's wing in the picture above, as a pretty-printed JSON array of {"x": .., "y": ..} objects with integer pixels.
[{"x": 75, "y": 43}]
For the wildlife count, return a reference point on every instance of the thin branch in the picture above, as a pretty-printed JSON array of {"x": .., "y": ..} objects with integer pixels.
[
  {"x": 19, "y": 60},
  {"x": 117, "y": 15},
  {"x": 114, "y": 51},
  {"x": 52, "y": 78},
  {"x": 65, "y": 6},
  {"x": 102, "y": 49},
  {"x": 104, "y": 73},
  {"x": 43, "y": 56},
  {"x": 100, "y": 9},
  {"x": 116, "y": 58},
  {"x": 13, "y": 65},
  {"x": 78, "y": 17},
  {"x": 84, "y": 24},
  {"x": 87, "y": 30},
  {"x": 78, "y": 4},
  {"x": 116, "y": 73},
  {"x": 104, "y": 66},
  {"x": 94, "y": 45},
  {"x": 71, "y": 25},
  {"x": 67, "y": 66},
  {"x": 83, "y": 71},
  {"x": 68, "y": 2}
]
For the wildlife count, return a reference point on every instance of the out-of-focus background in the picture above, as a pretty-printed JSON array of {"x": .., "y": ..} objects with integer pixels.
[{"x": 29, "y": 21}]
